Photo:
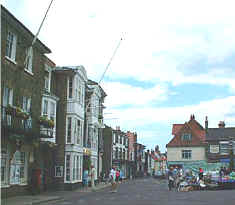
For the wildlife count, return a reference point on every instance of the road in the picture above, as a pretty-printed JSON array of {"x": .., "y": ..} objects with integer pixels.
[{"x": 149, "y": 191}]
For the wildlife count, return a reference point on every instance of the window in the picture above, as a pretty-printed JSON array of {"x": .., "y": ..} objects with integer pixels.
[
  {"x": 186, "y": 137},
  {"x": 69, "y": 130},
  {"x": 70, "y": 87},
  {"x": 45, "y": 108},
  {"x": 74, "y": 167},
  {"x": 67, "y": 164},
  {"x": 78, "y": 131},
  {"x": 18, "y": 168},
  {"x": 27, "y": 107},
  {"x": 11, "y": 45},
  {"x": 224, "y": 147},
  {"x": 4, "y": 172},
  {"x": 46, "y": 79},
  {"x": 52, "y": 111},
  {"x": 7, "y": 99},
  {"x": 29, "y": 59},
  {"x": 7, "y": 96},
  {"x": 186, "y": 154}
]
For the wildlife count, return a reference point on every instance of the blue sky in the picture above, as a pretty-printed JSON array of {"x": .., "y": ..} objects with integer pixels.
[{"x": 176, "y": 58}]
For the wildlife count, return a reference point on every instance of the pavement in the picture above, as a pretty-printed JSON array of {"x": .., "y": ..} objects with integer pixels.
[{"x": 48, "y": 196}]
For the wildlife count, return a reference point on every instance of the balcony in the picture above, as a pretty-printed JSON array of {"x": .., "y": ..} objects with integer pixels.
[{"x": 16, "y": 124}]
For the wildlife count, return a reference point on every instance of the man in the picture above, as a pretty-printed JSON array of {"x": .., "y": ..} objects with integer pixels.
[
  {"x": 93, "y": 171},
  {"x": 171, "y": 178},
  {"x": 112, "y": 176}
]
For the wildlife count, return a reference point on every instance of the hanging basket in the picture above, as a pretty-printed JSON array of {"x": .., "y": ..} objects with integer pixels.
[{"x": 43, "y": 120}]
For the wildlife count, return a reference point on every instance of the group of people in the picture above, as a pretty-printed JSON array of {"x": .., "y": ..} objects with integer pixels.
[
  {"x": 176, "y": 177},
  {"x": 115, "y": 177}
]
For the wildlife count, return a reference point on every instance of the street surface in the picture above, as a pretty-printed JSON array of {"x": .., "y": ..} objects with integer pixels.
[{"x": 148, "y": 191}]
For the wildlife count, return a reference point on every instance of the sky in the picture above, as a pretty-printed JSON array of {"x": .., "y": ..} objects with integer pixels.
[{"x": 176, "y": 58}]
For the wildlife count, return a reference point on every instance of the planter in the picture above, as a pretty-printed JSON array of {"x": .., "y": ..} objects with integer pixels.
[
  {"x": 10, "y": 110},
  {"x": 44, "y": 121}
]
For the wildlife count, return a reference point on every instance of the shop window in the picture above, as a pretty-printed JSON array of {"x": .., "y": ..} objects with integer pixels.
[{"x": 18, "y": 168}]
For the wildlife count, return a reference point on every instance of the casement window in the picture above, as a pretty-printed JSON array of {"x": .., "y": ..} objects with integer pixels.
[
  {"x": 224, "y": 147},
  {"x": 114, "y": 137},
  {"x": 18, "y": 168},
  {"x": 70, "y": 91},
  {"x": 29, "y": 60},
  {"x": 69, "y": 130},
  {"x": 186, "y": 137},
  {"x": 11, "y": 45},
  {"x": 67, "y": 168},
  {"x": 4, "y": 167},
  {"x": 186, "y": 154},
  {"x": 74, "y": 167}
]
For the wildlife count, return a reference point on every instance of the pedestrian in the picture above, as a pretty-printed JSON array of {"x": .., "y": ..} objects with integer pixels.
[
  {"x": 170, "y": 178},
  {"x": 200, "y": 175},
  {"x": 85, "y": 178},
  {"x": 112, "y": 176},
  {"x": 121, "y": 175},
  {"x": 117, "y": 176},
  {"x": 93, "y": 171}
]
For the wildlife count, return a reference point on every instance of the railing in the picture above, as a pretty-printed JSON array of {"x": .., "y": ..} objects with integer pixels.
[{"x": 15, "y": 124}]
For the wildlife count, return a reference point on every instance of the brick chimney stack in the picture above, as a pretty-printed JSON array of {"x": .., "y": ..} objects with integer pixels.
[
  {"x": 117, "y": 127},
  {"x": 206, "y": 123},
  {"x": 221, "y": 124}
]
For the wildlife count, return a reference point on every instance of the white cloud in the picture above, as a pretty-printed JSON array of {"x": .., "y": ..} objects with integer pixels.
[{"x": 123, "y": 94}]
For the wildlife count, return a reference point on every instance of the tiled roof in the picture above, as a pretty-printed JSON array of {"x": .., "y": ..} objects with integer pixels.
[
  {"x": 193, "y": 127},
  {"x": 176, "y": 128},
  {"x": 218, "y": 133}
]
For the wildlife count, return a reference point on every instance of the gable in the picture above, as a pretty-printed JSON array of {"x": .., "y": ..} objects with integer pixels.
[{"x": 197, "y": 136}]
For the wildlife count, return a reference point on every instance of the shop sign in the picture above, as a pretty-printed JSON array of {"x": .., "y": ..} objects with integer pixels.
[{"x": 214, "y": 149}]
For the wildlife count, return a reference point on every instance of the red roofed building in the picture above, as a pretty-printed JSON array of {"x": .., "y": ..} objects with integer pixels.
[{"x": 188, "y": 145}]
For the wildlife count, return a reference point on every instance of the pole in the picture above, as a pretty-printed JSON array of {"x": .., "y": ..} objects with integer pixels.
[
  {"x": 30, "y": 50},
  {"x": 115, "y": 51}
]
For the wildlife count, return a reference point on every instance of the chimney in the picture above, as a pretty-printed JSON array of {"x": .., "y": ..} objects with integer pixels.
[
  {"x": 206, "y": 123},
  {"x": 117, "y": 127},
  {"x": 191, "y": 117},
  {"x": 221, "y": 124}
]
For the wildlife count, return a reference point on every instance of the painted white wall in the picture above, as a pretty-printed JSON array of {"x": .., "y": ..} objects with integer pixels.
[{"x": 175, "y": 153}]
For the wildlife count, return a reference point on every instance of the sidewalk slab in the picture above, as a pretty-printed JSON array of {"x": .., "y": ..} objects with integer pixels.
[{"x": 29, "y": 200}]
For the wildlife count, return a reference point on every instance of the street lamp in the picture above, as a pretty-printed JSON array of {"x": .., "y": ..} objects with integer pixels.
[{"x": 231, "y": 162}]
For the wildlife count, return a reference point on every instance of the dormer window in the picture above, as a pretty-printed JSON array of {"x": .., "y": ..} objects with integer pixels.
[{"x": 186, "y": 137}]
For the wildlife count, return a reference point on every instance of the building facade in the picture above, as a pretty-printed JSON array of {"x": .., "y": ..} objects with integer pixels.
[
  {"x": 221, "y": 146},
  {"x": 71, "y": 82},
  {"x": 22, "y": 92},
  {"x": 120, "y": 151},
  {"x": 187, "y": 148}
]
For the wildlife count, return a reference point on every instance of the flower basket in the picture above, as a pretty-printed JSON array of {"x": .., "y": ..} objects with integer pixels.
[
  {"x": 10, "y": 110},
  {"x": 43, "y": 120},
  {"x": 21, "y": 114}
]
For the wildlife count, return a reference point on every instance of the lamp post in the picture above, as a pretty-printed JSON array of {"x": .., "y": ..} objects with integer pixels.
[{"x": 231, "y": 161}]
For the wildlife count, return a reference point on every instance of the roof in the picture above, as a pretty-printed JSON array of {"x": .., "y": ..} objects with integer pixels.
[
  {"x": 192, "y": 127},
  {"x": 176, "y": 128},
  {"x": 218, "y": 133},
  {"x": 28, "y": 32}
]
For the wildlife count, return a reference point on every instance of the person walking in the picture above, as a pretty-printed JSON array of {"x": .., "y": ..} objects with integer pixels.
[
  {"x": 117, "y": 176},
  {"x": 170, "y": 179},
  {"x": 112, "y": 176},
  {"x": 93, "y": 171},
  {"x": 85, "y": 178}
]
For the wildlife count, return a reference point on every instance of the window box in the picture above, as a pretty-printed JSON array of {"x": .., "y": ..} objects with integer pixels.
[
  {"x": 17, "y": 111},
  {"x": 43, "y": 120}
]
